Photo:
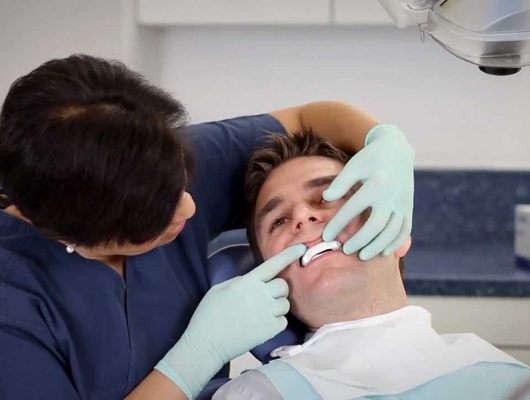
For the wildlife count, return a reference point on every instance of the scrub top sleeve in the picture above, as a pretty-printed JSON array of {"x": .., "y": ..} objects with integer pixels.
[
  {"x": 28, "y": 370},
  {"x": 221, "y": 151}
]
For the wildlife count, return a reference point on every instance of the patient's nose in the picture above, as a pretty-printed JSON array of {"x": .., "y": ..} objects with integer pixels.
[
  {"x": 309, "y": 220},
  {"x": 306, "y": 216}
]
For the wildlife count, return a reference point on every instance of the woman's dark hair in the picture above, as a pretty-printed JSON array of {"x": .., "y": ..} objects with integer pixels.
[{"x": 91, "y": 153}]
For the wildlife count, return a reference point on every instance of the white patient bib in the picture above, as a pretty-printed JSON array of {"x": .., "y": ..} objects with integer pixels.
[{"x": 383, "y": 355}]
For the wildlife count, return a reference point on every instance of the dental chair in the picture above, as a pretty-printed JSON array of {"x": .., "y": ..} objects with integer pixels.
[{"x": 229, "y": 255}]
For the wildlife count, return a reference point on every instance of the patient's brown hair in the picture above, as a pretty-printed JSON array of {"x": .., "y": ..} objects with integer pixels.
[{"x": 275, "y": 150}]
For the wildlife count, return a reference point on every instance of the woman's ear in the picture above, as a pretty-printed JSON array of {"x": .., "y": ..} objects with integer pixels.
[{"x": 404, "y": 248}]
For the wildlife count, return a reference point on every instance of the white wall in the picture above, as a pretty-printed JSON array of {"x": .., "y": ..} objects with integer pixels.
[
  {"x": 34, "y": 31},
  {"x": 455, "y": 115}
]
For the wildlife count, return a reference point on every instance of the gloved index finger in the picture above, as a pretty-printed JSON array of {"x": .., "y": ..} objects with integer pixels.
[
  {"x": 276, "y": 264},
  {"x": 344, "y": 181},
  {"x": 353, "y": 207}
]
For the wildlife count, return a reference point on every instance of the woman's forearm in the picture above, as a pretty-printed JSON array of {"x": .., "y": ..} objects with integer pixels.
[{"x": 340, "y": 123}]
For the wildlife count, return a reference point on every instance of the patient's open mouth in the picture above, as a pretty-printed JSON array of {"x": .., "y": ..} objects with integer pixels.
[{"x": 318, "y": 250}]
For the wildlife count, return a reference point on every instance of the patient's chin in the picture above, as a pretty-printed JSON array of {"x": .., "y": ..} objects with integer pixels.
[
  {"x": 327, "y": 297},
  {"x": 328, "y": 274}
]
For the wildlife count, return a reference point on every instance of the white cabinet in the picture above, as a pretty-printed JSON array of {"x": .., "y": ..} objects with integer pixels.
[
  {"x": 502, "y": 321},
  {"x": 259, "y": 12},
  {"x": 232, "y": 12},
  {"x": 359, "y": 12}
]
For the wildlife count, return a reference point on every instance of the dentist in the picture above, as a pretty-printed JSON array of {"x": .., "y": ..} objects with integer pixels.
[{"x": 110, "y": 202}]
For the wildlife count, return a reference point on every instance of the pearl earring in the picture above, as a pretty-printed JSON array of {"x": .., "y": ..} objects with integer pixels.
[{"x": 70, "y": 248}]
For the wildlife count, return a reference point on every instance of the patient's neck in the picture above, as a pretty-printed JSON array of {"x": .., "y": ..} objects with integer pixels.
[
  {"x": 361, "y": 313},
  {"x": 363, "y": 304},
  {"x": 369, "y": 310}
]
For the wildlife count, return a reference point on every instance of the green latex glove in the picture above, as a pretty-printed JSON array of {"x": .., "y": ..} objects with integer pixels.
[
  {"x": 385, "y": 168},
  {"x": 232, "y": 318}
]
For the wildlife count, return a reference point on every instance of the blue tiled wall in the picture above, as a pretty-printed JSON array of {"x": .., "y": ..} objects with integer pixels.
[
  {"x": 455, "y": 207},
  {"x": 463, "y": 234}
]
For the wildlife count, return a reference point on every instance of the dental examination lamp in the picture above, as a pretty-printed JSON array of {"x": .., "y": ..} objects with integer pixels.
[{"x": 493, "y": 34}]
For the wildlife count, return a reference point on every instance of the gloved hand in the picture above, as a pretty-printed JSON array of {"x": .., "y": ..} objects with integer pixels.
[
  {"x": 232, "y": 318},
  {"x": 385, "y": 168}
]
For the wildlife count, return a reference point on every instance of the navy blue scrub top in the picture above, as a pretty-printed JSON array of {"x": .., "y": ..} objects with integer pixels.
[{"x": 73, "y": 328}]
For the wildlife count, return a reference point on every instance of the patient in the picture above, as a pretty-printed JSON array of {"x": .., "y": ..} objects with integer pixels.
[{"x": 365, "y": 341}]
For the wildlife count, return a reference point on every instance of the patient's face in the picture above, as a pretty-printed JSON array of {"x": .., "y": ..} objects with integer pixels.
[{"x": 292, "y": 194}]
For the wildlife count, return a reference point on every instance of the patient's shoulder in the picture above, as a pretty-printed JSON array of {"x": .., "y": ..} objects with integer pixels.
[{"x": 252, "y": 385}]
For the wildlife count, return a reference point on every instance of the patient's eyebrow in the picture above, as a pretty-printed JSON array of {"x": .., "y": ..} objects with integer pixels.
[
  {"x": 268, "y": 208},
  {"x": 318, "y": 182}
]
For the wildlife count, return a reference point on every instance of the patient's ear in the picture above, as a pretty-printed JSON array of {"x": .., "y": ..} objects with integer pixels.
[{"x": 404, "y": 248}]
